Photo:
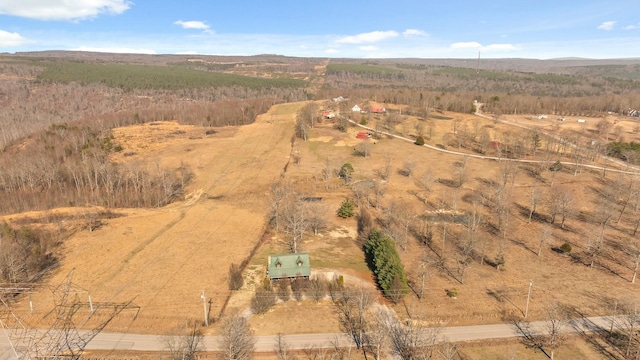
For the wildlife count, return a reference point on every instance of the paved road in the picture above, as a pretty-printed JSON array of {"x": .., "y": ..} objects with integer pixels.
[{"x": 138, "y": 342}]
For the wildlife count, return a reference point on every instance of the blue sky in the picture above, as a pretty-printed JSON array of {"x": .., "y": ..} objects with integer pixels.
[{"x": 539, "y": 29}]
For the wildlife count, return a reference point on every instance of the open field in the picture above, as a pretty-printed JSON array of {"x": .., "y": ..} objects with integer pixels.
[{"x": 163, "y": 257}]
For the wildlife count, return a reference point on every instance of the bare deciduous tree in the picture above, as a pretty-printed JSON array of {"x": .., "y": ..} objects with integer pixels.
[
  {"x": 184, "y": 344},
  {"x": 352, "y": 304},
  {"x": 411, "y": 340},
  {"x": 237, "y": 341},
  {"x": 545, "y": 234},
  {"x": 316, "y": 217},
  {"x": 533, "y": 201},
  {"x": 282, "y": 348},
  {"x": 562, "y": 199},
  {"x": 407, "y": 167},
  {"x": 263, "y": 299},
  {"x": 295, "y": 222},
  {"x": 363, "y": 148},
  {"x": 279, "y": 192},
  {"x": 555, "y": 322},
  {"x": 629, "y": 321}
]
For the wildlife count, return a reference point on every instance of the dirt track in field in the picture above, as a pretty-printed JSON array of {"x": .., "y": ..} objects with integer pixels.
[{"x": 164, "y": 258}]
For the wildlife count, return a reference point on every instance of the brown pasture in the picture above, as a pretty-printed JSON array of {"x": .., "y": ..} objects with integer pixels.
[{"x": 164, "y": 258}]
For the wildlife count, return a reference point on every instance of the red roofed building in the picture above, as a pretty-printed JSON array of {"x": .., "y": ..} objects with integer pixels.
[{"x": 378, "y": 109}]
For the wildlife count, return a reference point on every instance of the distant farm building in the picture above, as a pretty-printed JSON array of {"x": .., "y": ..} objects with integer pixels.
[
  {"x": 328, "y": 114},
  {"x": 339, "y": 99},
  {"x": 495, "y": 144},
  {"x": 288, "y": 266},
  {"x": 378, "y": 109},
  {"x": 356, "y": 108},
  {"x": 363, "y": 135}
]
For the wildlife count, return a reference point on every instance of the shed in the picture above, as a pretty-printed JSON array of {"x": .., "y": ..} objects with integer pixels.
[
  {"x": 363, "y": 135},
  {"x": 328, "y": 114},
  {"x": 288, "y": 266},
  {"x": 356, "y": 108}
]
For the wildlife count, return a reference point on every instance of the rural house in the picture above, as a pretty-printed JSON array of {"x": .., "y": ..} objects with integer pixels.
[
  {"x": 356, "y": 108},
  {"x": 378, "y": 109},
  {"x": 288, "y": 266}
]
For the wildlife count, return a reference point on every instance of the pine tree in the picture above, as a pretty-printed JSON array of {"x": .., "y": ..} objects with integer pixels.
[{"x": 347, "y": 209}]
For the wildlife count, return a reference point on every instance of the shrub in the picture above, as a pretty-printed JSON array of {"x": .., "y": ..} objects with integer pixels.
[
  {"x": 317, "y": 289},
  {"x": 363, "y": 120},
  {"x": 282, "y": 290},
  {"x": 557, "y": 166},
  {"x": 566, "y": 248},
  {"x": 453, "y": 293},
  {"x": 419, "y": 140},
  {"x": 235, "y": 277},
  {"x": 299, "y": 287},
  {"x": 347, "y": 209},
  {"x": 263, "y": 300}
]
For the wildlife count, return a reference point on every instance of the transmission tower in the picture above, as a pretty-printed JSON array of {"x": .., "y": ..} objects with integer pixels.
[{"x": 75, "y": 323}]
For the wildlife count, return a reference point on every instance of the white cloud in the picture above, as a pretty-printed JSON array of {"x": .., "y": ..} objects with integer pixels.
[
  {"x": 369, "y": 37},
  {"x": 119, "y": 50},
  {"x": 414, "y": 32},
  {"x": 63, "y": 9},
  {"x": 11, "y": 39},
  {"x": 331, "y": 51},
  {"x": 607, "y": 25},
  {"x": 632, "y": 27},
  {"x": 466, "y": 45},
  {"x": 199, "y": 25},
  {"x": 368, "y": 48}
]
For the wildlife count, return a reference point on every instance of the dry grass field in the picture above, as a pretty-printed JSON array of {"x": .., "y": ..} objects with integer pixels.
[{"x": 164, "y": 258}]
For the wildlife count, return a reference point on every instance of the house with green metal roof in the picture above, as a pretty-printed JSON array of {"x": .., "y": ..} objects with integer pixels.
[{"x": 288, "y": 266}]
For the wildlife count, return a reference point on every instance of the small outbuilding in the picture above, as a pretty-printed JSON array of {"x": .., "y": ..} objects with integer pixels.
[
  {"x": 356, "y": 108},
  {"x": 328, "y": 114},
  {"x": 288, "y": 266}
]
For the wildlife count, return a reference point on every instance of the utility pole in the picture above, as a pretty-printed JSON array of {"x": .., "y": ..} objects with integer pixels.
[
  {"x": 526, "y": 309},
  {"x": 613, "y": 318},
  {"x": 90, "y": 303},
  {"x": 204, "y": 303}
]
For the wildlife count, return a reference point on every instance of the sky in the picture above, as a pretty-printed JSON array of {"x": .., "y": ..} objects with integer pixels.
[{"x": 541, "y": 29}]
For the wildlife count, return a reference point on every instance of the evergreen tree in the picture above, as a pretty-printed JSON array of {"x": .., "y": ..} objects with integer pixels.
[
  {"x": 347, "y": 208},
  {"x": 386, "y": 264}
]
